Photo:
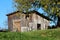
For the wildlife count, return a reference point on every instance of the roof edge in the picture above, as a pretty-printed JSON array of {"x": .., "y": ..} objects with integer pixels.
[
  {"x": 12, "y": 13},
  {"x": 19, "y": 11}
]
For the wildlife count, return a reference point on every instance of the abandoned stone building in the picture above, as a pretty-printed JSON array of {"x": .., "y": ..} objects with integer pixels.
[{"x": 20, "y": 21}]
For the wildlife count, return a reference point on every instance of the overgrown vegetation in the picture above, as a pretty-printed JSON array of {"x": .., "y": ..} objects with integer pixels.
[{"x": 50, "y": 34}]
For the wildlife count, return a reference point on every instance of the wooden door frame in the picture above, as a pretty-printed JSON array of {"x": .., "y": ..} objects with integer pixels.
[{"x": 16, "y": 20}]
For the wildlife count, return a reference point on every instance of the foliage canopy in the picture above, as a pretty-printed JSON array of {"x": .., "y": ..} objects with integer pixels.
[{"x": 50, "y": 6}]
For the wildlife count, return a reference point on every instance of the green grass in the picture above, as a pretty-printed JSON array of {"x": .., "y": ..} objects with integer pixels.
[{"x": 50, "y": 34}]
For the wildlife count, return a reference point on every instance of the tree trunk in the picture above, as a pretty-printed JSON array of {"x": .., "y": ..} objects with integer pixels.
[{"x": 58, "y": 23}]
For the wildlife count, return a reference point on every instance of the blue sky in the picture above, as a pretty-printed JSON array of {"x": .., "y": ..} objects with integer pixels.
[{"x": 6, "y": 6}]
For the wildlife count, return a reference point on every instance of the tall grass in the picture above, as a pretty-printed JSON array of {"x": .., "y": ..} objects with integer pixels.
[{"x": 50, "y": 34}]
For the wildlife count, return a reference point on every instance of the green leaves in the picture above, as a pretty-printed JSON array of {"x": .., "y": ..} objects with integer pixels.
[
  {"x": 50, "y": 6},
  {"x": 23, "y": 5}
]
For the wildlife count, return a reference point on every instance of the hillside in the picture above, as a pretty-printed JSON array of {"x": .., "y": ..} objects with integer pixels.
[{"x": 50, "y": 34}]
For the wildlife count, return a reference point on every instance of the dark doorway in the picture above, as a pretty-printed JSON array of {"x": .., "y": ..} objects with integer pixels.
[{"x": 38, "y": 26}]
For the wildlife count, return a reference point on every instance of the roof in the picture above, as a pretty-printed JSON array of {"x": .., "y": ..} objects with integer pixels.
[
  {"x": 45, "y": 17},
  {"x": 19, "y": 11},
  {"x": 39, "y": 14},
  {"x": 31, "y": 12},
  {"x": 12, "y": 13}
]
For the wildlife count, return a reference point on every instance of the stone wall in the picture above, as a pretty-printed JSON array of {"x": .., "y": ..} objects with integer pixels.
[{"x": 27, "y": 23}]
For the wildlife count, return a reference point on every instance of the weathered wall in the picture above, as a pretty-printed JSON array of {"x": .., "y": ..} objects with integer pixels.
[
  {"x": 30, "y": 23},
  {"x": 10, "y": 20},
  {"x": 37, "y": 19}
]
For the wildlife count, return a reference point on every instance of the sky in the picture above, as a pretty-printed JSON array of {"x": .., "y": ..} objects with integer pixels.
[{"x": 6, "y": 6}]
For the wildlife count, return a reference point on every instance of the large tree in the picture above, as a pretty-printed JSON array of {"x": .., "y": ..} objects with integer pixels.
[{"x": 50, "y": 6}]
